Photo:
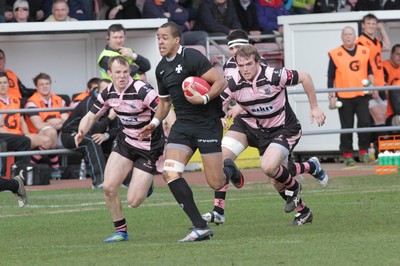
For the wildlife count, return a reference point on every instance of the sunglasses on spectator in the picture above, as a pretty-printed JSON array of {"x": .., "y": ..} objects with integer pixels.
[{"x": 21, "y": 9}]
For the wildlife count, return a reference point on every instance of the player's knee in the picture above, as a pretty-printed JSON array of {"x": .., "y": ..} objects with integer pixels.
[
  {"x": 172, "y": 170},
  {"x": 268, "y": 169},
  {"x": 109, "y": 190},
  {"x": 170, "y": 176},
  {"x": 135, "y": 202}
]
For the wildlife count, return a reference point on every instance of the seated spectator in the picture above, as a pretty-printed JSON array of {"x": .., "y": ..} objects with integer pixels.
[
  {"x": 392, "y": 77},
  {"x": 217, "y": 17},
  {"x": 15, "y": 123},
  {"x": 246, "y": 11},
  {"x": 59, "y": 12},
  {"x": 36, "y": 12},
  {"x": 268, "y": 12},
  {"x": 21, "y": 11},
  {"x": 97, "y": 141},
  {"x": 92, "y": 84},
  {"x": 171, "y": 10},
  {"x": 76, "y": 9},
  {"x": 346, "y": 5},
  {"x": 8, "y": 14},
  {"x": 377, "y": 5},
  {"x": 325, "y": 6},
  {"x": 303, "y": 6},
  {"x": 17, "y": 89},
  {"x": 122, "y": 9},
  {"x": 46, "y": 123}
]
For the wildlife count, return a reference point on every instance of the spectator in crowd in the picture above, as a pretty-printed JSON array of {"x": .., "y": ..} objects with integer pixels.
[
  {"x": 21, "y": 11},
  {"x": 116, "y": 37},
  {"x": 3, "y": 6},
  {"x": 392, "y": 78},
  {"x": 217, "y": 17},
  {"x": 371, "y": 27},
  {"x": 247, "y": 14},
  {"x": 36, "y": 12},
  {"x": 15, "y": 123},
  {"x": 171, "y": 10},
  {"x": 268, "y": 12},
  {"x": 16, "y": 186},
  {"x": 135, "y": 103},
  {"x": 8, "y": 14},
  {"x": 76, "y": 9},
  {"x": 122, "y": 9},
  {"x": 303, "y": 6},
  {"x": 59, "y": 12},
  {"x": 325, "y": 6},
  {"x": 342, "y": 73},
  {"x": 346, "y": 5},
  {"x": 17, "y": 89},
  {"x": 98, "y": 140},
  {"x": 378, "y": 5},
  {"x": 92, "y": 84},
  {"x": 46, "y": 123},
  {"x": 191, "y": 6}
]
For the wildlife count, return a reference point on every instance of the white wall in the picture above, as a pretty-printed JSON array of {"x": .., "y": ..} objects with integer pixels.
[
  {"x": 68, "y": 51},
  {"x": 307, "y": 41}
]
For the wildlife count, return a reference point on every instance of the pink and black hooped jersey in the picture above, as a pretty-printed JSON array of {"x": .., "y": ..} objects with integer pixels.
[
  {"x": 264, "y": 98},
  {"x": 135, "y": 107}
]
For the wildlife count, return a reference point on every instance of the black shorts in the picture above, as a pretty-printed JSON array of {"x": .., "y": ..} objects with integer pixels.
[
  {"x": 206, "y": 136},
  {"x": 252, "y": 134},
  {"x": 142, "y": 159},
  {"x": 287, "y": 137}
]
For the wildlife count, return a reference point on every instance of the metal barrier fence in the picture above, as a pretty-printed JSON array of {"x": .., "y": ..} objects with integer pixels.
[{"x": 290, "y": 91}]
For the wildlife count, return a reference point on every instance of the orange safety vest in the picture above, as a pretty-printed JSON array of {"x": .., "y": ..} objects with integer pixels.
[
  {"x": 392, "y": 79},
  {"x": 375, "y": 57},
  {"x": 12, "y": 122},
  {"x": 13, "y": 89},
  {"x": 80, "y": 97},
  {"x": 56, "y": 101},
  {"x": 350, "y": 70}
]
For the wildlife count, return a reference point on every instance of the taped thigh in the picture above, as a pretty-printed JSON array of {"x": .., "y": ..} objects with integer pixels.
[{"x": 233, "y": 145}]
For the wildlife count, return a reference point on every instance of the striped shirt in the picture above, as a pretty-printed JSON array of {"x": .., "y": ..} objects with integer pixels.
[
  {"x": 265, "y": 98},
  {"x": 135, "y": 107}
]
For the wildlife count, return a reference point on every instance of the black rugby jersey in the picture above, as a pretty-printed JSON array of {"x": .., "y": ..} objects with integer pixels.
[{"x": 170, "y": 75}]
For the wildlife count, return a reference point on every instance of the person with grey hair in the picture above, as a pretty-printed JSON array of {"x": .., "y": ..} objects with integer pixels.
[
  {"x": 21, "y": 11},
  {"x": 59, "y": 12}
]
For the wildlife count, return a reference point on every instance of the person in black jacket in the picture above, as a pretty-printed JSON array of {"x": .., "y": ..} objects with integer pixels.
[
  {"x": 217, "y": 17},
  {"x": 95, "y": 144}
]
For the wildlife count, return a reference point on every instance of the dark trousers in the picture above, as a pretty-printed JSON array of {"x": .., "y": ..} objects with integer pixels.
[
  {"x": 14, "y": 143},
  {"x": 93, "y": 152},
  {"x": 359, "y": 107}
]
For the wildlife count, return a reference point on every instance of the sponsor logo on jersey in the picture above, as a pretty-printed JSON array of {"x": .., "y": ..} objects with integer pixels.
[{"x": 262, "y": 109}]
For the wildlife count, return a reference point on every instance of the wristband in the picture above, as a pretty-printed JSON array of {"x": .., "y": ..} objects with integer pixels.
[
  {"x": 206, "y": 98},
  {"x": 155, "y": 122},
  {"x": 106, "y": 135}
]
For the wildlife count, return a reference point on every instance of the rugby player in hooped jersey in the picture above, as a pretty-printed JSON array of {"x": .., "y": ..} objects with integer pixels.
[
  {"x": 261, "y": 91},
  {"x": 198, "y": 124},
  {"x": 134, "y": 102},
  {"x": 243, "y": 133}
]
